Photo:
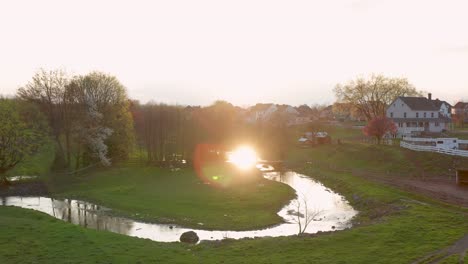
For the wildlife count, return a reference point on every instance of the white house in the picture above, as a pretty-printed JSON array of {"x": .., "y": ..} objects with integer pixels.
[
  {"x": 414, "y": 115},
  {"x": 265, "y": 112},
  {"x": 445, "y": 108},
  {"x": 261, "y": 112}
]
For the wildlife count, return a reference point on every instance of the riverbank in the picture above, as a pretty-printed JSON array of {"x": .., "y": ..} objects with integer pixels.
[
  {"x": 25, "y": 188},
  {"x": 393, "y": 225},
  {"x": 180, "y": 197}
]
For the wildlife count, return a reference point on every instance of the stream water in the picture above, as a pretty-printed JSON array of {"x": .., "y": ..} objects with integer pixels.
[{"x": 325, "y": 209}]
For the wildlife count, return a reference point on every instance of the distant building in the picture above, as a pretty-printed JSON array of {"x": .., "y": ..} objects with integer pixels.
[
  {"x": 260, "y": 112},
  {"x": 445, "y": 109},
  {"x": 415, "y": 115},
  {"x": 268, "y": 112},
  {"x": 460, "y": 112}
]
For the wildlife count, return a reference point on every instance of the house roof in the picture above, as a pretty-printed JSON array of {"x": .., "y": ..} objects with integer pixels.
[
  {"x": 419, "y": 103},
  {"x": 437, "y": 103},
  {"x": 461, "y": 105},
  {"x": 260, "y": 107},
  {"x": 304, "y": 110}
]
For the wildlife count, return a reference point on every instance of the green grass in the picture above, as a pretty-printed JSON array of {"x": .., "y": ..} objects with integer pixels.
[
  {"x": 461, "y": 134},
  {"x": 180, "y": 197},
  {"x": 392, "y": 226},
  {"x": 36, "y": 165},
  {"x": 409, "y": 229},
  {"x": 343, "y": 132},
  {"x": 31, "y": 237},
  {"x": 375, "y": 158}
]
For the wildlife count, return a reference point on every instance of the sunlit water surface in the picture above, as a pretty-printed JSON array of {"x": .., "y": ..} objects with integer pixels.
[{"x": 330, "y": 212}]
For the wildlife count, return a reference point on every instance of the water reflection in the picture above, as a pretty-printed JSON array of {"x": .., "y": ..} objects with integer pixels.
[
  {"x": 334, "y": 213},
  {"x": 21, "y": 178}
]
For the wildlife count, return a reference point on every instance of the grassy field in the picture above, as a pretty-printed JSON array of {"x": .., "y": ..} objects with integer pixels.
[
  {"x": 376, "y": 158},
  {"x": 180, "y": 197},
  {"x": 393, "y": 226},
  {"x": 36, "y": 165}
]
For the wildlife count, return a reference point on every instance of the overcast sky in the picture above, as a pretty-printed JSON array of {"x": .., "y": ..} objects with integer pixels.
[{"x": 195, "y": 52}]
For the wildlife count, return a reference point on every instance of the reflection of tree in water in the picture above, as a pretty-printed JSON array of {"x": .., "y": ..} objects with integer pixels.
[{"x": 89, "y": 215}]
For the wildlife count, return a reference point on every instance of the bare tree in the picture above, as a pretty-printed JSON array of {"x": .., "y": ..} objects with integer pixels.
[
  {"x": 303, "y": 213},
  {"x": 48, "y": 90},
  {"x": 371, "y": 96}
]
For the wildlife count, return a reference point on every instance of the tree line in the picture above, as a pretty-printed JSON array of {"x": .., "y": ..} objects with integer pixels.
[
  {"x": 91, "y": 120},
  {"x": 88, "y": 116}
]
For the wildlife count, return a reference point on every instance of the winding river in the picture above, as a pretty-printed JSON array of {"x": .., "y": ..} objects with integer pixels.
[{"x": 325, "y": 209}]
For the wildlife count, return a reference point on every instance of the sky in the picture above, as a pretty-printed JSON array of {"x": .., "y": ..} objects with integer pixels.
[{"x": 245, "y": 52}]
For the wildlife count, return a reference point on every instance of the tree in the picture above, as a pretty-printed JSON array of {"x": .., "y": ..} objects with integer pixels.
[
  {"x": 304, "y": 215},
  {"x": 48, "y": 90},
  {"x": 372, "y": 96},
  {"x": 378, "y": 127},
  {"x": 103, "y": 125},
  {"x": 89, "y": 115},
  {"x": 18, "y": 137}
]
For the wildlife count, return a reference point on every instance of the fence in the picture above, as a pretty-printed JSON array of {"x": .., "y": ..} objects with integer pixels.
[{"x": 454, "y": 152}]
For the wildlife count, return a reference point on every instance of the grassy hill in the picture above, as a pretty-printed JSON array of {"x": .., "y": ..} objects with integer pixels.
[{"x": 394, "y": 225}]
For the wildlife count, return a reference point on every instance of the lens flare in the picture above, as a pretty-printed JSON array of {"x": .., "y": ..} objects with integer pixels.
[{"x": 244, "y": 158}]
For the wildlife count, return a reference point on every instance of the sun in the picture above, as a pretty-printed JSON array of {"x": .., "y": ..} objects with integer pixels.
[{"x": 243, "y": 157}]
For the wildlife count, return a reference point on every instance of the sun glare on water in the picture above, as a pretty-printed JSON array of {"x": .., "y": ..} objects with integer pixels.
[{"x": 244, "y": 157}]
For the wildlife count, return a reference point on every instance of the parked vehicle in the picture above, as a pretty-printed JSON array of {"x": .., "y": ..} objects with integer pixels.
[{"x": 311, "y": 138}]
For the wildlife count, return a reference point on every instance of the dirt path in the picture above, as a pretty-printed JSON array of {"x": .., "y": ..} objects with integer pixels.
[
  {"x": 458, "y": 248},
  {"x": 440, "y": 189}
]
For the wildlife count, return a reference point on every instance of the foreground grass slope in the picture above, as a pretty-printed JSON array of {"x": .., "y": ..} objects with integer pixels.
[
  {"x": 395, "y": 227},
  {"x": 161, "y": 195}
]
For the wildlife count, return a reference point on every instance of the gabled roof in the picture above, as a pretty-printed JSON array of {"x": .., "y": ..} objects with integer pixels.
[
  {"x": 437, "y": 103},
  {"x": 419, "y": 103},
  {"x": 460, "y": 105},
  {"x": 304, "y": 110},
  {"x": 260, "y": 107}
]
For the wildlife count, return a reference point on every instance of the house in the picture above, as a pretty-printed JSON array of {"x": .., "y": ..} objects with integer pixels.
[
  {"x": 304, "y": 115},
  {"x": 269, "y": 112},
  {"x": 445, "y": 109},
  {"x": 260, "y": 112},
  {"x": 415, "y": 115},
  {"x": 460, "y": 112},
  {"x": 327, "y": 113}
]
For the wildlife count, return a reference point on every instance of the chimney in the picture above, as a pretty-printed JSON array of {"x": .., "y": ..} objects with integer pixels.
[{"x": 429, "y": 96}]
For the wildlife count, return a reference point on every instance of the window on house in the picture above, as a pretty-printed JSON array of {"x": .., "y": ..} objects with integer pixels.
[
  {"x": 436, "y": 124},
  {"x": 404, "y": 114},
  {"x": 424, "y": 114},
  {"x": 391, "y": 114},
  {"x": 432, "y": 115},
  {"x": 417, "y": 114},
  {"x": 408, "y": 124}
]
